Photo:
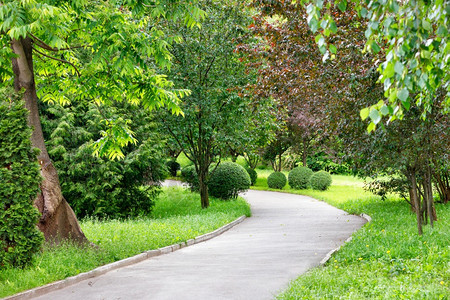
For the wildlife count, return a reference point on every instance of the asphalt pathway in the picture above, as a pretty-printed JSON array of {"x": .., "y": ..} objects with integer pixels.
[{"x": 286, "y": 236}]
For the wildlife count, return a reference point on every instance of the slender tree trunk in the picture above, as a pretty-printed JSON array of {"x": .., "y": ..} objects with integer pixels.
[
  {"x": 57, "y": 220},
  {"x": 203, "y": 185},
  {"x": 431, "y": 211},
  {"x": 415, "y": 198},
  {"x": 442, "y": 183}
]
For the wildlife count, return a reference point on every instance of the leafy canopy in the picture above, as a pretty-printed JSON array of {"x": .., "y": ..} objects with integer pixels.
[{"x": 102, "y": 51}]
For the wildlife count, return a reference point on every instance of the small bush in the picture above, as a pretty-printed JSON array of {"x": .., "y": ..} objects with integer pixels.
[
  {"x": 299, "y": 178},
  {"x": 19, "y": 185},
  {"x": 173, "y": 167},
  {"x": 253, "y": 175},
  {"x": 321, "y": 180},
  {"x": 276, "y": 180},
  {"x": 228, "y": 180},
  {"x": 189, "y": 175}
]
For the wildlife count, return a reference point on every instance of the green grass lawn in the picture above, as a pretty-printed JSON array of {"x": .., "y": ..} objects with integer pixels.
[
  {"x": 176, "y": 217},
  {"x": 386, "y": 259}
]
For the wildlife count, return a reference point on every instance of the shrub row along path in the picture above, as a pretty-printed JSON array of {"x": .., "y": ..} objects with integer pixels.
[{"x": 286, "y": 235}]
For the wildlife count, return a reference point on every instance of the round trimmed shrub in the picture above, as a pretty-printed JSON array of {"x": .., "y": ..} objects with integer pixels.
[
  {"x": 228, "y": 180},
  {"x": 321, "y": 180},
  {"x": 276, "y": 180},
  {"x": 299, "y": 177},
  {"x": 173, "y": 167},
  {"x": 253, "y": 175}
]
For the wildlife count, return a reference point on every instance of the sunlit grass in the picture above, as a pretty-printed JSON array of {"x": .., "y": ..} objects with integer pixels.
[{"x": 176, "y": 217}]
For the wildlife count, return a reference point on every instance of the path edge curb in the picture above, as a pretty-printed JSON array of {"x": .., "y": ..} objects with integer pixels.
[
  {"x": 329, "y": 254},
  {"x": 57, "y": 285}
]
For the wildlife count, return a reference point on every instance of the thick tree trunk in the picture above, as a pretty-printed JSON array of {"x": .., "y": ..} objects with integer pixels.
[{"x": 58, "y": 220}]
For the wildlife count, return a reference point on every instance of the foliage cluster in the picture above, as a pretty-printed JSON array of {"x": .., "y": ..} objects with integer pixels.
[
  {"x": 321, "y": 161},
  {"x": 320, "y": 180},
  {"x": 411, "y": 39},
  {"x": 96, "y": 186},
  {"x": 173, "y": 167},
  {"x": 228, "y": 180},
  {"x": 253, "y": 175},
  {"x": 176, "y": 217},
  {"x": 189, "y": 175},
  {"x": 299, "y": 177},
  {"x": 19, "y": 186},
  {"x": 276, "y": 180}
]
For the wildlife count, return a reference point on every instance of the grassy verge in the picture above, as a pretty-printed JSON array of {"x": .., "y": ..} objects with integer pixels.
[
  {"x": 176, "y": 217},
  {"x": 386, "y": 259}
]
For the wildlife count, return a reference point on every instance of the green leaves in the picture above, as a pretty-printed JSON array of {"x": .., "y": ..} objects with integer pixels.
[
  {"x": 114, "y": 138},
  {"x": 414, "y": 39},
  {"x": 342, "y": 5},
  {"x": 19, "y": 185},
  {"x": 403, "y": 94}
]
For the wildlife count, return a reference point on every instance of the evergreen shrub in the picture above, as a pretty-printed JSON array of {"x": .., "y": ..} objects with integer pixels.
[
  {"x": 19, "y": 186},
  {"x": 276, "y": 180},
  {"x": 173, "y": 167},
  {"x": 253, "y": 175},
  {"x": 228, "y": 180},
  {"x": 96, "y": 186},
  {"x": 299, "y": 177},
  {"x": 321, "y": 180}
]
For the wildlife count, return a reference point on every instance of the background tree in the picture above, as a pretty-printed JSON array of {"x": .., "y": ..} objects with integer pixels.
[
  {"x": 123, "y": 46},
  {"x": 214, "y": 114},
  {"x": 291, "y": 69}
]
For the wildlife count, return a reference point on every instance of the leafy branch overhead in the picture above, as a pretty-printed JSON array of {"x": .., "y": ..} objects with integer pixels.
[
  {"x": 102, "y": 51},
  {"x": 411, "y": 40}
]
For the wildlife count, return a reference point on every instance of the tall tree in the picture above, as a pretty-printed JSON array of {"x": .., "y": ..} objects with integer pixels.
[
  {"x": 122, "y": 44},
  {"x": 205, "y": 62},
  {"x": 291, "y": 69}
]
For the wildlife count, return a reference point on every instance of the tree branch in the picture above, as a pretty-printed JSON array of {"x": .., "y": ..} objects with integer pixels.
[
  {"x": 58, "y": 59},
  {"x": 45, "y": 46}
]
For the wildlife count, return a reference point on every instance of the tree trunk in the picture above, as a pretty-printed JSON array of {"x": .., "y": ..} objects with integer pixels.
[
  {"x": 428, "y": 191},
  {"x": 204, "y": 196},
  {"x": 442, "y": 182},
  {"x": 415, "y": 198},
  {"x": 57, "y": 220}
]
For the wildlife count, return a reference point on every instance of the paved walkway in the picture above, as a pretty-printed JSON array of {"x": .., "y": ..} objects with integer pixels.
[{"x": 286, "y": 236}]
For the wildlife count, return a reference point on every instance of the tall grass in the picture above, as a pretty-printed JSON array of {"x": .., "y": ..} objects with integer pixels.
[
  {"x": 386, "y": 259},
  {"x": 176, "y": 217}
]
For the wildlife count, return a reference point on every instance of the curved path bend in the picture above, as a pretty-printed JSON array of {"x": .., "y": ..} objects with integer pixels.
[{"x": 286, "y": 236}]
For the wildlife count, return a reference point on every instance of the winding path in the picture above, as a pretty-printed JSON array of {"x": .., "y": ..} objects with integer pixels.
[{"x": 286, "y": 235}]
